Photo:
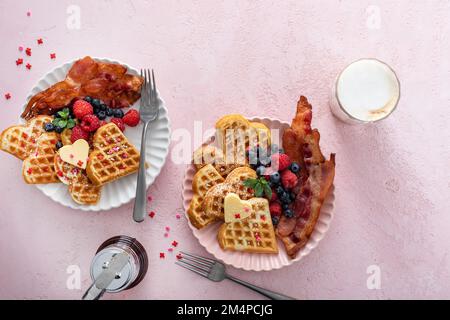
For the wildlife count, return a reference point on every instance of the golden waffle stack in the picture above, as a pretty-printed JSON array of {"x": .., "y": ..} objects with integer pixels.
[
  {"x": 203, "y": 180},
  {"x": 208, "y": 154},
  {"x": 252, "y": 234},
  {"x": 39, "y": 167},
  {"x": 21, "y": 141},
  {"x": 213, "y": 203},
  {"x": 113, "y": 156}
]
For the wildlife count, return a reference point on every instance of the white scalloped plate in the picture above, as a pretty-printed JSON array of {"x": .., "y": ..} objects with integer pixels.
[
  {"x": 121, "y": 191},
  {"x": 254, "y": 261}
]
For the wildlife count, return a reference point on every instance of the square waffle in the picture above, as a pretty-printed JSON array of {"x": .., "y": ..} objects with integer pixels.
[
  {"x": 252, "y": 234},
  {"x": 113, "y": 156}
]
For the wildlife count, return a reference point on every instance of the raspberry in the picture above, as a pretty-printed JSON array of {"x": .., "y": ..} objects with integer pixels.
[
  {"x": 275, "y": 209},
  {"x": 78, "y": 133},
  {"x": 118, "y": 122},
  {"x": 132, "y": 118},
  {"x": 82, "y": 108},
  {"x": 280, "y": 161},
  {"x": 274, "y": 195},
  {"x": 288, "y": 179},
  {"x": 90, "y": 123}
]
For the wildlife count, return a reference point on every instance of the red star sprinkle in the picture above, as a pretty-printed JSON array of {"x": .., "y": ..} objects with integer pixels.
[
  {"x": 166, "y": 235},
  {"x": 29, "y": 171},
  {"x": 170, "y": 249},
  {"x": 52, "y": 55},
  {"x": 7, "y": 96},
  {"x": 174, "y": 243},
  {"x": 179, "y": 256},
  {"x": 151, "y": 214},
  {"x": 28, "y": 51},
  {"x": 40, "y": 41},
  {"x": 20, "y": 48},
  {"x": 29, "y": 14},
  {"x": 178, "y": 216},
  {"x": 28, "y": 66},
  {"x": 60, "y": 173},
  {"x": 162, "y": 255},
  {"x": 149, "y": 198},
  {"x": 19, "y": 61},
  {"x": 167, "y": 229},
  {"x": 80, "y": 163},
  {"x": 263, "y": 218},
  {"x": 237, "y": 215}
]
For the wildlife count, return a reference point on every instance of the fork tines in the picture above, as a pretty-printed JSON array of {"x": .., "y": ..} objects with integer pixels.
[{"x": 197, "y": 264}]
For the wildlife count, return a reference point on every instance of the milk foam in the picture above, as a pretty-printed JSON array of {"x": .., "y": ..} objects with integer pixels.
[{"x": 368, "y": 90}]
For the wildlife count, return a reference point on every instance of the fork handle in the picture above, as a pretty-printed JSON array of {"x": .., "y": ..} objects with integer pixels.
[
  {"x": 269, "y": 294},
  {"x": 139, "y": 209}
]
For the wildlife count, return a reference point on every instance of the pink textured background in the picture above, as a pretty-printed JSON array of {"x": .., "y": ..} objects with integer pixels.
[{"x": 254, "y": 57}]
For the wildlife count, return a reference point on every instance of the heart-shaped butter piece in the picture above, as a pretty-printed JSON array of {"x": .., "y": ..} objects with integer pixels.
[
  {"x": 235, "y": 208},
  {"x": 76, "y": 153}
]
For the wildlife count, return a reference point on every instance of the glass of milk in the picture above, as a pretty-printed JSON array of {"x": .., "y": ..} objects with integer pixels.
[{"x": 366, "y": 91}]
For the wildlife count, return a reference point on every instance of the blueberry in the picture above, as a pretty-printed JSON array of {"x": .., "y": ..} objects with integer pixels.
[
  {"x": 273, "y": 184},
  {"x": 281, "y": 150},
  {"x": 288, "y": 213},
  {"x": 96, "y": 103},
  {"x": 260, "y": 170},
  {"x": 101, "y": 115},
  {"x": 58, "y": 145},
  {"x": 275, "y": 220},
  {"x": 275, "y": 177},
  {"x": 279, "y": 190},
  {"x": 292, "y": 196},
  {"x": 118, "y": 113},
  {"x": 49, "y": 127},
  {"x": 295, "y": 167},
  {"x": 285, "y": 206},
  {"x": 102, "y": 107},
  {"x": 284, "y": 198},
  {"x": 59, "y": 129},
  {"x": 88, "y": 99},
  {"x": 109, "y": 112}
]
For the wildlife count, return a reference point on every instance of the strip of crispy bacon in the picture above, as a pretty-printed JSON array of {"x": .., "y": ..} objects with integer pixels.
[
  {"x": 108, "y": 82},
  {"x": 301, "y": 144}
]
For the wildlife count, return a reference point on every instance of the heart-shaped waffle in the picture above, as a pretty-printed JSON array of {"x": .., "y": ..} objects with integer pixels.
[
  {"x": 254, "y": 233},
  {"x": 113, "y": 156},
  {"x": 81, "y": 188},
  {"x": 213, "y": 203},
  {"x": 203, "y": 180},
  {"x": 21, "y": 141},
  {"x": 208, "y": 154},
  {"x": 39, "y": 167}
]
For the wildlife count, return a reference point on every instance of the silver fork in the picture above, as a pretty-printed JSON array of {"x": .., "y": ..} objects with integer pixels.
[
  {"x": 149, "y": 112},
  {"x": 215, "y": 271}
]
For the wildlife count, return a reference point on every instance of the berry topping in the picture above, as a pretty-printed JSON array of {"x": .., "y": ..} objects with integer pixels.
[
  {"x": 274, "y": 195},
  {"x": 101, "y": 115},
  {"x": 275, "y": 177},
  {"x": 78, "y": 133},
  {"x": 285, "y": 198},
  {"x": 118, "y": 122},
  {"x": 90, "y": 123},
  {"x": 59, "y": 129},
  {"x": 117, "y": 113},
  {"x": 288, "y": 179},
  {"x": 82, "y": 108},
  {"x": 295, "y": 167},
  {"x": 58, "y": 145},
  {"x": 280, "y": 161},
  {"x": 131, "y": 118},
  {"x": 102, "y": 123},
  {"x": 260, "y": 170},
  {"x": 275, "y": 209},
  {"x": 288, "y": 213},
  {"x": 275, "y": 220},
  {"x": 49, "y": 127}
]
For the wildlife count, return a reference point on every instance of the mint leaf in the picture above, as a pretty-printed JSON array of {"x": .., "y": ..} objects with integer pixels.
[
  {"x": 268, "y": 191},
  {"x": 70, "y": 123},
  {"x": 55, "y": 122},
  {"x": 250, "y": 183},
  {"x": 62, "y": 123},
  {"x": 259, "y": 190}
]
